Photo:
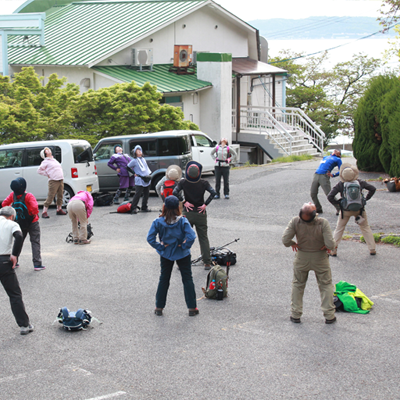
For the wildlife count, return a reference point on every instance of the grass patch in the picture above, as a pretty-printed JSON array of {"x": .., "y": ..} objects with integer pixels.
[
  {"x": 293, "y": 158},
  {"x": 395, "y": 240},
  {"x": 377, "y": 238},
  {"x": 347, "y": 237}
]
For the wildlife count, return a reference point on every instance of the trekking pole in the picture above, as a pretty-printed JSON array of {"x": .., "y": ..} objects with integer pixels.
[{"x": 215, "y": 249}]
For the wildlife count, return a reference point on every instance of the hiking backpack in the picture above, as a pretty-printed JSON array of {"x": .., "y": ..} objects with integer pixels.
[
  {"x": 103, "y": 200},
  {"x": 74, "y": 321},
  {"x": 125, "y": 207},
  {"x": 353, "y": 199},
  {"x": 70, "y": 238},
  {"x": 217, "y": 283},
  {"x": 23, "y": 218},
  {"x": 228, "y": 154},
  {"x": 167, "y": 188}
]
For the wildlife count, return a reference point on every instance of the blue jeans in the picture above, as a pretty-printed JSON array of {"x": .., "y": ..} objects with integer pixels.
[{"x": 185, "y": 267}]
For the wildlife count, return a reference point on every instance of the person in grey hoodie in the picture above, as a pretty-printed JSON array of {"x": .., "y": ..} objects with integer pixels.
[
  {"x": 140, "y": 168},
  {"x": 176, "y": 237}
]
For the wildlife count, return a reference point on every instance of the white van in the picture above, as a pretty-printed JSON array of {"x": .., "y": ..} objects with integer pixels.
[{"x": 23, "y": 160}]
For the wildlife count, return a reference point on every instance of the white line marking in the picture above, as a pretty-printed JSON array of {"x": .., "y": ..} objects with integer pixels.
[{"x": 107, "y": 396}]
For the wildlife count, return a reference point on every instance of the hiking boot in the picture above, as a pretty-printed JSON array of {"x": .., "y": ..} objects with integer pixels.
[
  {"x": 207, "y": 267},
  {"x": 295, "y": 320},
  {"x": 61, "y": 212},
  {"x": 158, "y": 311},
  {"x": 146, "y": 210},
  {"x": 372, "y": 253},
  {"x": 39, "y": 267},
  {"x": 330, "y": 321},
  {"x": 193, "y": 312},
  {"x": 216, "y": 197},
  {"x": 45, "y": 215},
  {"x": 134, "y": 212},
  {"x": 227, "y": 196},
  {"x": 84, "y": 241},
  {"x": 116, "y": 201},
  {"x": 26, "y": 329}
]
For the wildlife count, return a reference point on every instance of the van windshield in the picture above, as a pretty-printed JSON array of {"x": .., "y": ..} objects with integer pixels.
[{"x": 82, "y": 153}]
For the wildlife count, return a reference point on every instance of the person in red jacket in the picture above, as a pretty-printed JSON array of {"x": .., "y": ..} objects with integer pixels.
[{"x": 29, "y": 223}]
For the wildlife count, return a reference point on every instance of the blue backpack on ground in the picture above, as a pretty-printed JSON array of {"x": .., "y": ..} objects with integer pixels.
[
  {"x": 22, "y": 217},
  {"x": 74, "y": 321}
]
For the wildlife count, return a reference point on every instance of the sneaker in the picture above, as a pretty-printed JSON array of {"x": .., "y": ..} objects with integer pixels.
[
  {"x": 116, "y": 201},
  {"x": 227, "y": 196},
  {"x": 295, "y": 320},
  {"x": 76, "y": 241},
  {"x": 61, "y": 212},
  {"x": 17, "y": 265},
  {"x": 39, "y": 267},
  {"x": 207, "y": 267},
  {"x": 158, "y": 311},
  {"x": 134, "y": 212},
  {"x": 26, "y": 329},
  {"x": 372, "y": 253},
  {"x": 84, "y": 241},
  {"x": 45, "y": 215},
  {"x": 216, "y": 196},
  {"x": 330, "y": 321},
  {"x": 193, "y": 312}
]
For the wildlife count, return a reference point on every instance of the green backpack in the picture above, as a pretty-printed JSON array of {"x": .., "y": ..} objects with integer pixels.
[{"x": 217, "y": 283}]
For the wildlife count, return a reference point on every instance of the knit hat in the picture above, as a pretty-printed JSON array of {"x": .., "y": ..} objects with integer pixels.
[
  {"x": 18, "y": 186},
  {"x": 171, "y": 202},
  {"x": 348, "y": 172},
  {"x": 193, "y": 171},
  {"x": 173, "y": 173},
  {"x": 115, "y": 147}
]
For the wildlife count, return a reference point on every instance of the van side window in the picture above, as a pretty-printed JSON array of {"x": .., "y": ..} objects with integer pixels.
[
  {"x": 11, "y": 158},
  {"x": 56, "y": 151},
  {"x": 82, "y": 153},
  {"x": 105, "y": 150},
  {"x": 203, "y": 141},
  {"x": 148, "y": 147},
  {"x": 33, "y": 157}
]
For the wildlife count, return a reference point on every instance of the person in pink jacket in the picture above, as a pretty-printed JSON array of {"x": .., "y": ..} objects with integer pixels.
[
  {"x": 51, "y": 168},
  {"x": 80, "y": 208}
]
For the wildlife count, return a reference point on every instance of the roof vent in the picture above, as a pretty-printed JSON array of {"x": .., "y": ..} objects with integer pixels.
[{"x": 142, "y": 59}]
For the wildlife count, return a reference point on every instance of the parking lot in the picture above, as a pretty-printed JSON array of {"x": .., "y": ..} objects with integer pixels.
[{"x": 243, "y": 347}]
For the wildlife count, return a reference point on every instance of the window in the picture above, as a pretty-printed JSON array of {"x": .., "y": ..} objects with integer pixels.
[
  {"x": 11, "y": 158},
  {"x": 56, "y": 151},
  {"x": 148, "y": 147},
  {"x": 202, "y": 141},
  {"x": 105, "y": 150},
  {"x": 82, "y": 153},
  {"x": 33, "y": 157}
]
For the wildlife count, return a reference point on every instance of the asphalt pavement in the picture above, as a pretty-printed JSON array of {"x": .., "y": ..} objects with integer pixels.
[{"x": 243, "y": 347}]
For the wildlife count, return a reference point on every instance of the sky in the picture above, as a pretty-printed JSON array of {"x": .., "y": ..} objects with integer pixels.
[{"x": 250, "y": 10}]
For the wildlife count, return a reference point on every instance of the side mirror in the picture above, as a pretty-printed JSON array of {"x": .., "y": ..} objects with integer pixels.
[{"x": 214, "y": 143}]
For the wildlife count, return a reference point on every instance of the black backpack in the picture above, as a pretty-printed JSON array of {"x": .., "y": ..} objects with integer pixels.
[
  {"x": 103, "y": 200},
  {"x": 23, "y": 218}
]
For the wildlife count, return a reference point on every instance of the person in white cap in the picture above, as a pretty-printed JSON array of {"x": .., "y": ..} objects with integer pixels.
[
  {"x": 349, "y": 173},
  {"x": 51, "y": 168}
]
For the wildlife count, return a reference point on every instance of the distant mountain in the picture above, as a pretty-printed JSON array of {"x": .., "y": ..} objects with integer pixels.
[{"x": 319, "y": 28}]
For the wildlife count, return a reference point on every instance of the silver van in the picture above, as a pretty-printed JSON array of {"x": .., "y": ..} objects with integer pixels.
[
  {"x": 23, "y": 160},
  {"x": 160, "y": 150}
]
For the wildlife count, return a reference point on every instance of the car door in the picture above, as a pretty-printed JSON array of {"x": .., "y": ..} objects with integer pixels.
[
  {"x": 10, "y": 169},
  {"x": 203, "y": 147},
  {"x": 108, "y": 178}
]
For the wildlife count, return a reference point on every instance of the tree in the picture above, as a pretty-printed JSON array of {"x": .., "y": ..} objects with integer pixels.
[
  {"x": 329, "y": 97},
  {"x": 376, "y": 143},
  {"x": 389, "y": 13}
]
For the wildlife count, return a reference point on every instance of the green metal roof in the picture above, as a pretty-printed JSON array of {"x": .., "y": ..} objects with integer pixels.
[
  {"x": 82, "y": 33},
  {"x": 166, "y": 82}
]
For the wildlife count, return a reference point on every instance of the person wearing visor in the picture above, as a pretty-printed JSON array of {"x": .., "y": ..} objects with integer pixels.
[
  {"x": 314, "y": 243},
  {"x": 223, "y": 155},
  {"x": 322, "y": 177}
]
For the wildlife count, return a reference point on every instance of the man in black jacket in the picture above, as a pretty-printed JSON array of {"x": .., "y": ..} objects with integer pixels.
[
  {"x": 195, "y": 207},
  {"x": 9, "y": 253},
  {"x": 349, "y": 173}
]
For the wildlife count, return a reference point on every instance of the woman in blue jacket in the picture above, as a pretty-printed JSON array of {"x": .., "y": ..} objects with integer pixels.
[{"x": 176, "y": 237}]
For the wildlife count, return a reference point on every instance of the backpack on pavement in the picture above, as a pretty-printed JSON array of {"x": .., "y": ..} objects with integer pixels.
[
  {"x": 70, "y": 238},
  {"x": 353, "y": 199},
  {"x": 217, "y": 284},
  {"x": 74, "y": 321},
  {"x": 23, "y": 218},
  {"x": 103, "y": 200},
  {"x": 125, "y": 207},
  {"x": 167, "y": 188}
]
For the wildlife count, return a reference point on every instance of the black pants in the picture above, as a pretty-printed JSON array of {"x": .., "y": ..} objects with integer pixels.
[
  {"x": 9, "y": 280},
  {"x": 139, "y": 190},
  {"x": 224, "y": 172}
]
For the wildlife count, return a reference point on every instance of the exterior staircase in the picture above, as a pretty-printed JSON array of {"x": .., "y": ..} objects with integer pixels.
[{"x": 278, "y": 131}]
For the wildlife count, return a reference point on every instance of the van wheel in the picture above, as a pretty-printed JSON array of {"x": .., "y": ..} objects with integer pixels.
[{"x": 67, "y": 195}]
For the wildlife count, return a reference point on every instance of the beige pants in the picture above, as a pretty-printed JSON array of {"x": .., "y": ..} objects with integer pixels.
[
  {"x": 365, "y": 228},
  {"x": 318, "y": 262},
  {"x": 77, "y": 212},
  {"x": 55, "y": 188}
]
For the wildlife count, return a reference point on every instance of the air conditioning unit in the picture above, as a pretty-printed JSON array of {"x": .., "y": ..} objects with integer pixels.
[
  {"x": 183, "y": 56},
  {"x": 142, "y": 57}
]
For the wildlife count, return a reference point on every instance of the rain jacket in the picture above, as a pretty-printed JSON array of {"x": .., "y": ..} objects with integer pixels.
[
  {"x": 346, "y": 292},
  {"x": 179, "y": 236}
]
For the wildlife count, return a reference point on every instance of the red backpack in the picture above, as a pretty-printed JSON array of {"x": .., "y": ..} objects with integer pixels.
[
  {"x": 124, "y": 207},
  {"x": 167, "y": 188}
]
